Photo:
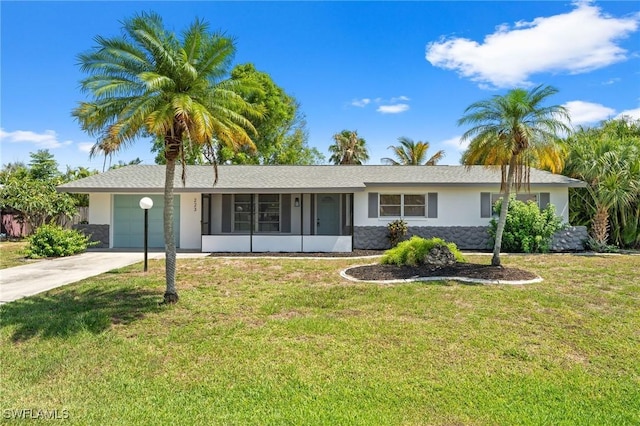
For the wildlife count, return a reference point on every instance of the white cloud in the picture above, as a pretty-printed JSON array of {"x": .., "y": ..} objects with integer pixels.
[
  {"x": 46, "y": 140},
  {"x": 453, "y": 150},
  {"x": 587, "y": 112},
  {"x": 393, "y": 109},
  {"x": 394, "y": 105},
  {"x": 456, "y": 142},
  {"x": 399, "y": 99},
  {"x": 85, "y": 146},
  {"x": 633, "y": 113},
  {"x": 578, "y": 41},
  {"x": 361, "y": 103}
]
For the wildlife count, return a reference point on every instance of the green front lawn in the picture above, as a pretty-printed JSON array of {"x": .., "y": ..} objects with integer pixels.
[
  {"x": 12, "y": 253},
  {"x": 287, "y": 341}
]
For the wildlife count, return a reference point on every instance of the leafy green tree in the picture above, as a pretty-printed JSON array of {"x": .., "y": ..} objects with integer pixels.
[
  {"x": 43, "y": 165},
  {"x": 514, "y": 131},
  {"x": 36, "y": 200},
  {"x": 151, "y": 82},
  {"x": 280, "y": 111},
  {"x": 348, "y": 148},
  {"x": 18, "y": 170},
  {"x": 410, "y": 153},
  {"x": 82, "y": 200},
  {"x": 31, "y": 190},
  {"x": 607, "y": 158},
  {"x": 281, "y": 133}
]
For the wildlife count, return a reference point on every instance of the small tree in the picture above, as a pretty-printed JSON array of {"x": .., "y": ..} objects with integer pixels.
[
  {"x": 527, "y": 229},
  {"x": 36, "y": 201}
]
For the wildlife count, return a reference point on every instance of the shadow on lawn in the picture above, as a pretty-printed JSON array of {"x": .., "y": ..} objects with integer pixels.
[{"x": 72, "y": 311}]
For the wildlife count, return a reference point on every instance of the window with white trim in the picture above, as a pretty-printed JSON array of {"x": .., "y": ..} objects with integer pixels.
[{"x": 403, "y": 205}]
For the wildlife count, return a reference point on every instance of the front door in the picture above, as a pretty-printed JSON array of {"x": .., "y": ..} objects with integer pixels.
[{"x": 328, "y": 217}]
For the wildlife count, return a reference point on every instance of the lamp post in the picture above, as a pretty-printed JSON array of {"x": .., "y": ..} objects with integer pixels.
[{"x": 145, "y": 204}]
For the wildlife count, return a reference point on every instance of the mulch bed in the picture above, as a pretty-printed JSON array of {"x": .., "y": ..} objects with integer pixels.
[{"x": 380, "y": 272}]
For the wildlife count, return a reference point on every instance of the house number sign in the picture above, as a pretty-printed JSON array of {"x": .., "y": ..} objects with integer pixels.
[{"x": 195, "y": 204}]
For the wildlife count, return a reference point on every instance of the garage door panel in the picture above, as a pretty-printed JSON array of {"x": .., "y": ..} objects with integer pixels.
[{"x": 128, "y": 221}]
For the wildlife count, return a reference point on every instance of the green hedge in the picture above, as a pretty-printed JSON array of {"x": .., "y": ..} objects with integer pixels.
[
  {"x": 55, "y": 241},
  {"x": 528, "y": 229}
]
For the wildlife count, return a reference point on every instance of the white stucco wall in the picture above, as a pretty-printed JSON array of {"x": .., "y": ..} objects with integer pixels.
[
  {"x": 190, "y": 221},
  {"x": 457, "y": 206},
  {"x": 100, "y": 209}
]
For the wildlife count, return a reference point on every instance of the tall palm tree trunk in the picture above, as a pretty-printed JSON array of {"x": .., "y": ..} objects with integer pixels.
[
  {"x": 170, "y": 294},
  {"x": 502, "y": 220},
  {"x": 600, "y": 224}
]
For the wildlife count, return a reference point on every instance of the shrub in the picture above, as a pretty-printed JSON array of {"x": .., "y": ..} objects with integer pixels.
[
  {"x": 55, "y": 241},
  {"x": 413, "y": 251},
  {"x": 397, "y": 230},
  {"x": 527, "y": 230}
]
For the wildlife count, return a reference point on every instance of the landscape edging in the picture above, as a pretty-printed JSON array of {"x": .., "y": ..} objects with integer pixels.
[{"x": 345, "y": 275}]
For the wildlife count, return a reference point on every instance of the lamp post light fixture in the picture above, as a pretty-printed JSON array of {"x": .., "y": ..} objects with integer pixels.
[{"x": 145, "y": 204}]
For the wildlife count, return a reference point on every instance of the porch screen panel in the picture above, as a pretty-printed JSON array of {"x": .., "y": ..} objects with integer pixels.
[
  {"x": 373, "y": 205},
  {"x": 226, "y": 213},
  {"x": 432, "y": 205},
  {"x": 343, "y": 213},
  {"x": 269, "y": 212},
  {"x": 312, "y": 214},
  {"x": 285, "y": 221},
  {"x": 485, "y": 204},
  {"x": 242, "y": 208},
  {"x": 206, "y": 214}
]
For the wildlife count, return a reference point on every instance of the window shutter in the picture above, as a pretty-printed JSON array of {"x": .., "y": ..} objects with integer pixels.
[
  {"x": 545, "y": 200},
  {"x": 285, "y": 220},
  {"x": 226, "y": 212},
  {"x": 485, "y": 204},
  {"x": 432, "y": 205},
  {"x": 373, "y": 205}
]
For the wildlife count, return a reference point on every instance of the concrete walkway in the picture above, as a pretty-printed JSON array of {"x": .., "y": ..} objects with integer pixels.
[{"x": 37, "y": 277}]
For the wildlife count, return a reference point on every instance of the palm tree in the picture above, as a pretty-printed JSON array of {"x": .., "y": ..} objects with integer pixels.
[
  {"x": 108, "y": 147},
  {"x": 149, "y": 82},
  {"x": 608, "y": 160},
  {"x": 514, "y": 131},
  {"x": 348, "y": 148},
  {"x": 410, "y": 153}
]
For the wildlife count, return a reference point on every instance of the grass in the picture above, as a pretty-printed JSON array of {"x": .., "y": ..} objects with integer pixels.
[
  {"x": 12, "y": 253},
  {"x": 287, "y": 341}
]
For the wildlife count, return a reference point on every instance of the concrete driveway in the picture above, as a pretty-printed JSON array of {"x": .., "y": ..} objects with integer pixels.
[{"x": 27, "y": 280}]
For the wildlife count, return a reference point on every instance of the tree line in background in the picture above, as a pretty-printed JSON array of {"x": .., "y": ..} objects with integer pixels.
[
  {"x": 181, "y": 92},
  {"x": 29, "y": 191}
]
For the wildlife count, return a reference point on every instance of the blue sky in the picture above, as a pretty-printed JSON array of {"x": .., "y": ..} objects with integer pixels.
[{"x": 385, "y": 69}]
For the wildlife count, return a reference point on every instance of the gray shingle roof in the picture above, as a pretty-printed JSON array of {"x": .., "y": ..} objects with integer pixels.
[{"x": 142, "y": 178}]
